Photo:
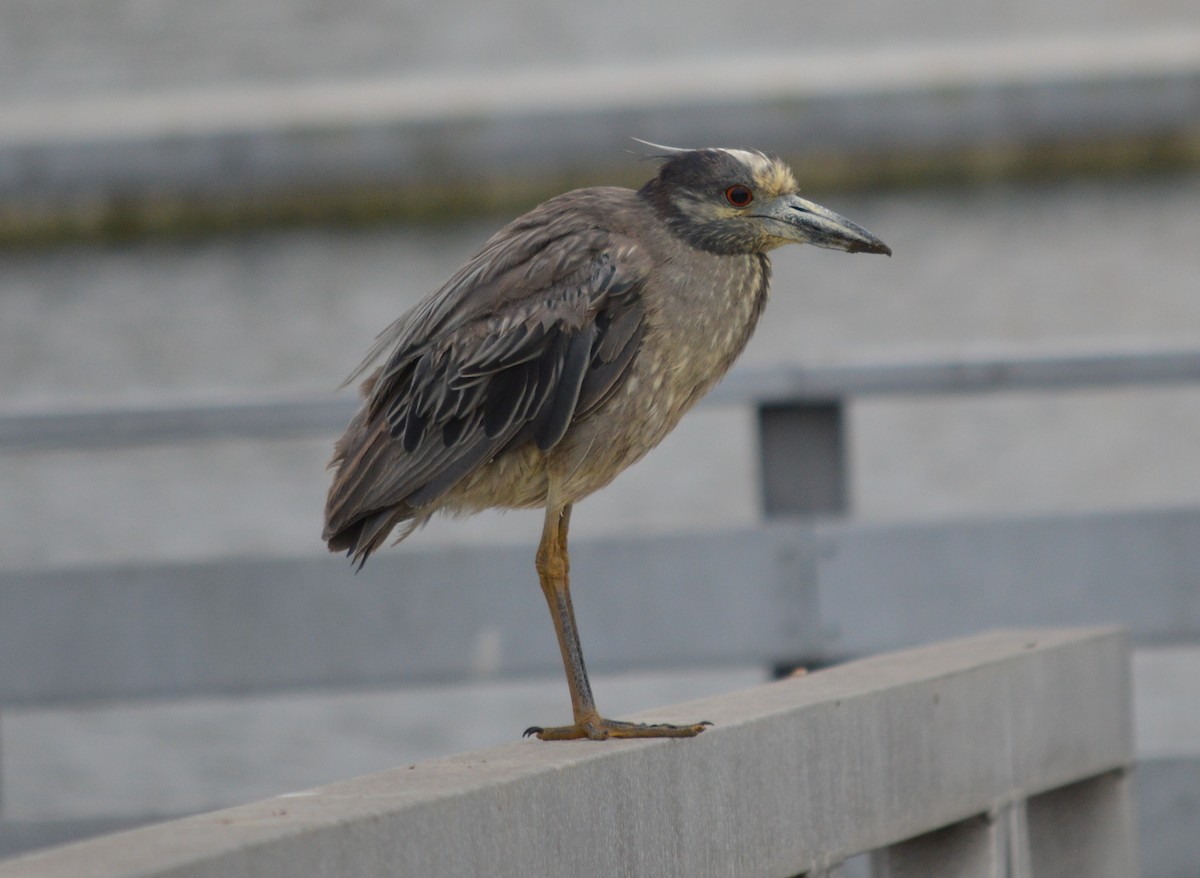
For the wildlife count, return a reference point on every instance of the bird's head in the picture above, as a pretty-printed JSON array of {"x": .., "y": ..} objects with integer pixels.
[{"x": 744, "y": 201}]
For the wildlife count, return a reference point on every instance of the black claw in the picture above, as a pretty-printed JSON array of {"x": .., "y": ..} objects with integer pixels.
[{"x": 532, "y": 730}]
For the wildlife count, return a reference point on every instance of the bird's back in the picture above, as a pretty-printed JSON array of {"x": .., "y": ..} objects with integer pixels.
[{"x": 531, "y": 334}]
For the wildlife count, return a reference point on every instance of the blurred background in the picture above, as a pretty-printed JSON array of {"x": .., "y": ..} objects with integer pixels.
[{"x": 209, "y": 210}]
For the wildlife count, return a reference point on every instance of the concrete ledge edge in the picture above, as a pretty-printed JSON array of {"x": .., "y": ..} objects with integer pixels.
[{"x": 937, "y": 725}]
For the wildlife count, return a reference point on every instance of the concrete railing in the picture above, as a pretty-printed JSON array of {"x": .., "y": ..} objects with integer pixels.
[{"x": 1001, "y": 754}]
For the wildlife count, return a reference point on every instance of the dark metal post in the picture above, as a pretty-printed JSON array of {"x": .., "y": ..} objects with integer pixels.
[
  {"x": 803, "y": 448},
  {"x": 804, "y": 473}
]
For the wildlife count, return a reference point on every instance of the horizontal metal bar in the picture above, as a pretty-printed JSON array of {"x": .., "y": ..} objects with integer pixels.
[
  {"x": 232, "y": 626},
  {"x": 789, "y": 590},
  {"x": 297, "y": 418},
  {"x": 966, "y": 375},
  {"x": 171, "y": 424},
  {"x": 882, "y": 585},
  {"x": 793, "y": 777}
]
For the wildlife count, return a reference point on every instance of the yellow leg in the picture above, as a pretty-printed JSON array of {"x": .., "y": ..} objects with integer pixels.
[{"x": 553, "y": 566}]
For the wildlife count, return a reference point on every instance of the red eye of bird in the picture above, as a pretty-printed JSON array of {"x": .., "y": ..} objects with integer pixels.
[{"x": 739, "y": 196}]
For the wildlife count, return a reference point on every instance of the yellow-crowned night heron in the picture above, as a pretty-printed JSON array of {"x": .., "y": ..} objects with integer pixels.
[{"x": 561, "y": 353}]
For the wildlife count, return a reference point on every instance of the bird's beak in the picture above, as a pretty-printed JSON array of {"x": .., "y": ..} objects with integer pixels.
[{"x": 798, "y": 220}]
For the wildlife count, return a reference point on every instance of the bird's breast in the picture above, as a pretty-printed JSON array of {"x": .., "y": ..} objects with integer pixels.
[
  {"x": 698, "y": 320},
  {"x": 700, "y": 323}
]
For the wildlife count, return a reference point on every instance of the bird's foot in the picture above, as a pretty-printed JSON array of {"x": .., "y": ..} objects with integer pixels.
[{"x": 598, "y": 729}]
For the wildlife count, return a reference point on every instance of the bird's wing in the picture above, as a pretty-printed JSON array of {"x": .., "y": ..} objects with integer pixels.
[
  {"x": 531, "y": 255},
  {"x": 510, "y": 356}
]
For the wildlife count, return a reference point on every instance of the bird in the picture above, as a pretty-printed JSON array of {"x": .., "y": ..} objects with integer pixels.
[{"x": 560, "y": 354}]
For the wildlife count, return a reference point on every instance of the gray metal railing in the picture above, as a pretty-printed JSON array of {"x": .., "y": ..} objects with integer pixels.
[
  {"x": 810, "y": 587},
  {"x": 805, "y": 592}
]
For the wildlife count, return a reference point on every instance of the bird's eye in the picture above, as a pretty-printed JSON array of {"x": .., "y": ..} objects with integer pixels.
[{"x": 739, "y": 196}]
